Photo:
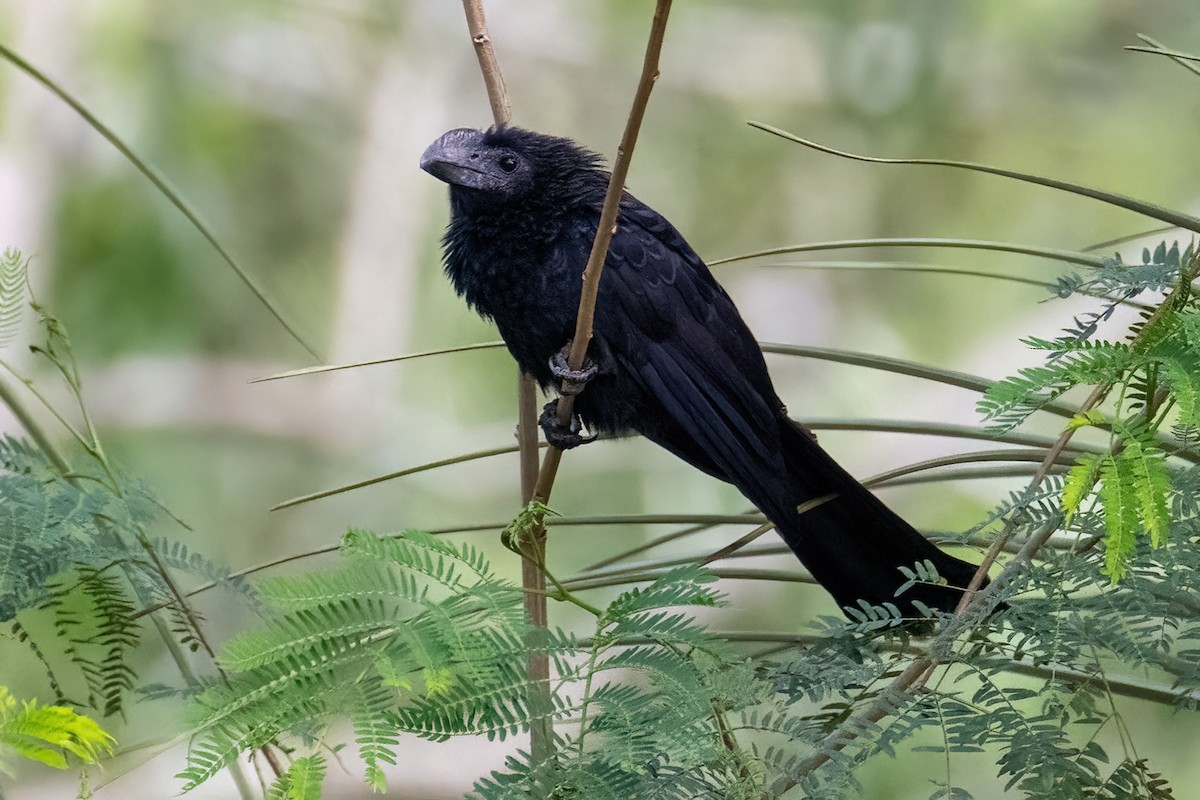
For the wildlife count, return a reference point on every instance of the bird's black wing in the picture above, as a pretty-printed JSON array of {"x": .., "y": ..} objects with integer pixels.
[{"x": 678, "y": 336}]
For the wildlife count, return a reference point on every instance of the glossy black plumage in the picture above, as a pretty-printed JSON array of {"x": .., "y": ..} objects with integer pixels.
[{"x": 677, "y": 362}]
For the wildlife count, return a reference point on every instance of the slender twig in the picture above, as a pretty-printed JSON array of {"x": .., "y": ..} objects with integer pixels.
[
  {"x": 31, "y": 426},
  {"x": 493, "y": 80},
  {"x": 444, "y": 462},
  {"x": 295, "y": 373},
  {"x": 1156, "y": 48},
  {"x": 1143, "y": 207},
  {"x": 535, "y": 484},
  {"x": 1054, "y": 254},
  {"x": 1160, "y": 693},
  {"x": 604, "y": 234},
  {"x": 533, "y": 579}
]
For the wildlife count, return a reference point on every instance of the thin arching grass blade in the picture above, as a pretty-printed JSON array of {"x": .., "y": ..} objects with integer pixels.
[
  {"x": 696, "y": 522},
  {"x": 1159, "y": 49},
  {"x": 160, "y": 183},
  {"x": 726, "y": 573},
  {"x": 908, "y": 266},
  {"x": 954, "y": 476},
  {"x": 1025, "y": 455},
  {"x": 942, "y": 429},
  {"x": 1143, "y": 207},
  {"x": 1129, "y": 237},
  {"x": 898, "y": 426},
  {"x": 1174, "y": 55},
  {"x": 949, "y": 377},
  {"x": 1070, "y": 256},
  {"x": 1058, "y": 542},
  {"x": 1033, "y": 451},
  {"x": 295, "y": 373},
  {"x": 900, "y": 366},
  {"x": 935, "y": 269},
  {"x": 445, "y": 462}
]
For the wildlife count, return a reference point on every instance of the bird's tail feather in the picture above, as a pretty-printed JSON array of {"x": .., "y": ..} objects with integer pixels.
[{"x": 853, "y": 544}]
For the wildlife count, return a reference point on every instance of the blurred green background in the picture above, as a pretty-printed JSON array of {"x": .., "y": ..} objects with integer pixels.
[{"x": 295, "y": 126}]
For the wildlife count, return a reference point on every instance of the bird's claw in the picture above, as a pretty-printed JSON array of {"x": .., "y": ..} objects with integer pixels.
[
  {"x": 571, "y": 381},
  {"x": 560, "y": 435}
]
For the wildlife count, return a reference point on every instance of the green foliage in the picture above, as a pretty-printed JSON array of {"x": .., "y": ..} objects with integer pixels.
[
  {"x": 46, "y": 526},
  {"x": 416, "y": 635},
  {"x": 49, "y": 734},
  {"x": 73, "y": 546},
  {"x": 1068, "y": 627},
  {"x": 412, "y": 634},
  {"x": 94, "y": 615},
  {"x": 301, "y": 781},
  {"x": 1008, "y": 403},
  {"x": 1155, "y": 377},
  {"x": 12, "y": 294}
]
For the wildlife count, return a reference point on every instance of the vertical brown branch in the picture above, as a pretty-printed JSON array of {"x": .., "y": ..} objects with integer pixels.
[
  {"x": 533, "y": 581},
  {"x": 492, "y": 79},
  {"x": 537, "y": 484}
]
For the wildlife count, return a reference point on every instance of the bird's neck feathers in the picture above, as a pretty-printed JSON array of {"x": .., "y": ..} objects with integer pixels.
[{"x": 485, "y": 237}]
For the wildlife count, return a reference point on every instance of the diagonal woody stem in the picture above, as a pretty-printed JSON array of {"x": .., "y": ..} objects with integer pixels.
[{"x": 604, "y": 234}]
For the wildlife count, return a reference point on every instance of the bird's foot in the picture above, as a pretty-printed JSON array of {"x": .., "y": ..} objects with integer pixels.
[
  {"x": 571, "y": 381},
  {"x": 560, "y": 435}
]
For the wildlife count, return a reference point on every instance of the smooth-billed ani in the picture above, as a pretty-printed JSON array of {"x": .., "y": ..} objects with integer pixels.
[{"x": 675, "y": 362}]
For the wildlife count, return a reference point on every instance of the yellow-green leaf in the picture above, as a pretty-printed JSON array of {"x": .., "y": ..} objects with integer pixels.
[
  {"x": 1120, "y": 516},
  {"x": 1086, "y": 418},
  {"x": 1078, "y": 484},
  {"x": 1151, "y": 487}
]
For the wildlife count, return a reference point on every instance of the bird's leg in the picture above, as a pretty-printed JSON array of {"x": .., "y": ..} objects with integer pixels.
[
  {"x": 564, "y": 436},
  {"x": 571, "y": 381}
]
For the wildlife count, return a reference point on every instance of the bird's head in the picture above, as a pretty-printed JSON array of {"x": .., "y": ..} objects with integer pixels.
[{"x": 507, "y": 165}]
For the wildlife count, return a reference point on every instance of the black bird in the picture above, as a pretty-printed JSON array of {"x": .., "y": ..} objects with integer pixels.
[{"x": 670, "y": 357}]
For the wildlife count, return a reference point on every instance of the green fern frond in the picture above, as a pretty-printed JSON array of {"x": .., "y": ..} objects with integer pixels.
[
  {"x": 1134, "y": 779},
  {"x": 178, "y": 557},
  {"x": 412, "y": 633},
  {"x": 315, "y": 634},
  {"x": 1120, "y": 514},
  {"x": 46, "y": 526},
  {"x": 1151, "y": 487},
  {"x": 1007, "y": 403},
  {"x": 19, "y": 456},
  {"x": 663, "y": 627},
  {"x": 50, "y": 734},
  {"x": 688, "y": 585},
  {"x": 94, "y": 612},
  {"x": 1182, "y": 378},
  {"x": 1078, "y": 484},
  {"x": 435, "y": 557},
  {"x": 1189, "y": 326},
  {"x": 300, "y": 781},
  {"x": 231, "y": 723},
  {"x": 374, "y": 730},
  {"x": 12, "y": 294}
]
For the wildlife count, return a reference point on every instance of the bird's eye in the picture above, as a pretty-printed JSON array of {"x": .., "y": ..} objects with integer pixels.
[{"x": 507, "y": 163}]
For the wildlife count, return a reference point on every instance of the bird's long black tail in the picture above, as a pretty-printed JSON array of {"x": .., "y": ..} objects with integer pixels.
[{"x": 853, "y": 544}]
